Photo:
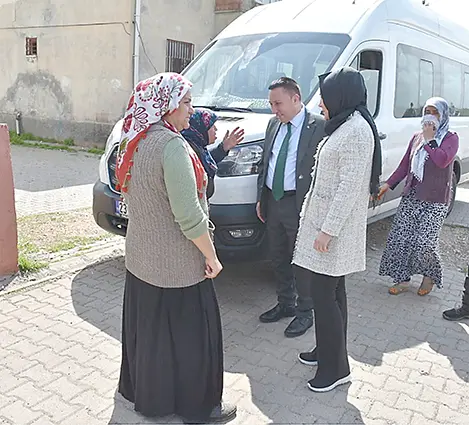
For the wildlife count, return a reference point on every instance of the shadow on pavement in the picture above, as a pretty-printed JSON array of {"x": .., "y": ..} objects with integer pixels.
[
  {"x": 6, "y": 281},
  {"x": 259, "y": 359},
  {"x": 383, "y": 327}
]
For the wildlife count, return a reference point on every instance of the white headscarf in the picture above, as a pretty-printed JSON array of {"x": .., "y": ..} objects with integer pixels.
[{"x": 420, "y": 155}]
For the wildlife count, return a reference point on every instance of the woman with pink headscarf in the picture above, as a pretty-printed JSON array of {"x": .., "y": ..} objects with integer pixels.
[{"x": 172, "y": 349}]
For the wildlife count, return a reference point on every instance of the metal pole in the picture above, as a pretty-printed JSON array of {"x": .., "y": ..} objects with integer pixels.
[{"x": 136, "y": 56}]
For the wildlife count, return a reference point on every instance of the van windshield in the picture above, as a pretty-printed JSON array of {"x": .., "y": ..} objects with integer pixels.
[{"x": 234, "y": 73}]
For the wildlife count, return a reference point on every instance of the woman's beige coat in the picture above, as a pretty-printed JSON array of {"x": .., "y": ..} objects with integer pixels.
[{"x": 337, "y": 202}]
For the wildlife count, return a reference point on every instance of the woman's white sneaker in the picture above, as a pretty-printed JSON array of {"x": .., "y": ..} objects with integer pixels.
[
  {"x": 308, "y": 358},
  {"x": 324, "y": 387}
]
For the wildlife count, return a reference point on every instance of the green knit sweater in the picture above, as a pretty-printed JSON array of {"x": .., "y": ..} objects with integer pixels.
[{"x": 165, "y": 213}]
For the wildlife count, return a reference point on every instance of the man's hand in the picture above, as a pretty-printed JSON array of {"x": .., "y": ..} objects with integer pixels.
[{"x": 321, "y": 244}]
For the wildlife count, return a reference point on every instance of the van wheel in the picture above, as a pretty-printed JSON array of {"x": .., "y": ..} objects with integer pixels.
[{"x": 454, "y": 185}]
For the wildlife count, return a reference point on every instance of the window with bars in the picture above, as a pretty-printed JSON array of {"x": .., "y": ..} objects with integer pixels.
[
  {"x": 178, "y": 55},
  {"x": 31, "y": 46}
]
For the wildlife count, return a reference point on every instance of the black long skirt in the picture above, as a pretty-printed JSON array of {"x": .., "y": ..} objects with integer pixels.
[{"x": 172, "y": 349}]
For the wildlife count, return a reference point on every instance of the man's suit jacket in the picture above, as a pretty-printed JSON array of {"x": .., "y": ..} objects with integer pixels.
[{"x": 311, "y": 134}]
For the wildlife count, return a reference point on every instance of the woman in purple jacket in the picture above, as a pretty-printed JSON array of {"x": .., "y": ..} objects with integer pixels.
[{"x": 427, "y": 167}]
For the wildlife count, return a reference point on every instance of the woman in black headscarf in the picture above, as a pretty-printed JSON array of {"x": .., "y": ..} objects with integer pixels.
[
  {"x": 201, "y": 134},
  {"x": 331, "y": 241}
]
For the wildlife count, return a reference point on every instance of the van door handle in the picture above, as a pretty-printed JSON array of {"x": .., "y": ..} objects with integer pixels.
[{"x": 382, "y": 136}]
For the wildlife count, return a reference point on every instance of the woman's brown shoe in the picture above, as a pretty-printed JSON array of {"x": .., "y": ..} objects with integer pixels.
[
  {"x": 399, "y": 288},
  {"x": 425, "y": 287}
]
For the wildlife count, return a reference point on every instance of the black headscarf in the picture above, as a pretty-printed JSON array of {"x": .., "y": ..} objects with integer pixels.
[{"x": 344, "y": 92}]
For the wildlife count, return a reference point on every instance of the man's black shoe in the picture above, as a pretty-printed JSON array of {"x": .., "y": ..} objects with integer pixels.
[
  {"x": 277, "y": 313},
  {"x": 298, "y": 326},
  {"x": 456, "y": 314}
]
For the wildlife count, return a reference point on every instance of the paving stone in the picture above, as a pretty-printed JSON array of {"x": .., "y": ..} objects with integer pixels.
[
  {"x": 19, "y": 414},
  {"x": 103, "y": 385},
  {"x": 65, "y": 388},
  {"x": 39, "y": 374},
  {"x": 30, "y": 394},
  {"x": 84, "y": 417},
  {"x": 56, "y": 408},
  {"x": 427, "y": 408},
  {"x": 9, "y": 380},
  {"x": 385, "y": 396},
  {"x": 16, "y": 363},
  {"x": 447, "y": 415},
  {"x": 76, "y": 371},
  {"x": 43, "y": 421},
  {"x": 59, "y": 362},
  {"x": 394, "y": 415},
  {"x": 457, "y": 387},
  {"x": 435, "y": 382},
  {"x": 35, "y": 334},
  {"x": 93, "y": 402},
  {"x": 452, "y": 401},
  {"x": 25, "y": 347},
  {"x": 4, "y": 400},
  {"x": 412, "y": 390},
  {"x": 8, "y": 328},
  {"x": 23, "y": 314}
]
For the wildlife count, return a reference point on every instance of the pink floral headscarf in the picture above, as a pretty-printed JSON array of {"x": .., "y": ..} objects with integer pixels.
[{"x": 150, "y": 101}]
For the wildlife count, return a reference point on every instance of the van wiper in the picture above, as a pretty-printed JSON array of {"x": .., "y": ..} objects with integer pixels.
[{"x": 224, "y": 108}]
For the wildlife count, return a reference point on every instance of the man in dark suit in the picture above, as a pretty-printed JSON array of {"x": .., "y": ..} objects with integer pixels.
[{"x": 291, "y": 140}]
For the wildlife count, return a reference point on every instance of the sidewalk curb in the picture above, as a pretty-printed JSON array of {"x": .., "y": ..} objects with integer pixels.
[{"x": 66, "y": 267}]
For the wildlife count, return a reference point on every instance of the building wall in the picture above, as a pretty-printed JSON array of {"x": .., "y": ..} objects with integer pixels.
[
  {"x": 191, "y": 21},
  {"x": 80, "y": 81},
  {"x": 226, "y": 11}
]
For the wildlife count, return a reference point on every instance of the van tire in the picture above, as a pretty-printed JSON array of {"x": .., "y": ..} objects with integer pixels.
[{"x": 454, "y": 185}]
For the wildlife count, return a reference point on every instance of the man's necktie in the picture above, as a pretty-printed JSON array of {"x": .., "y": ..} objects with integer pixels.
[{"x": 279, "y": 173}]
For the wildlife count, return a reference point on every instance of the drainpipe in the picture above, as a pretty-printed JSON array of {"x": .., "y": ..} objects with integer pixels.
[
  {"x": 136, "y": 55},
  {"x": 18, "y": 123}
]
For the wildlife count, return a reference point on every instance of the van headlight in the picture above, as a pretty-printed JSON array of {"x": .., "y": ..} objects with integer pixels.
[{"x": 243, "y": 160}]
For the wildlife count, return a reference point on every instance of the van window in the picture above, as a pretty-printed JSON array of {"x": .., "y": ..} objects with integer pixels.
[
  {"x": 452, "y": 85},
  {"x": 285, "y": 68},
  {"x": 236, "y": 72},
  {"x": 426, "y": 83},
  {"x": 415, "y": 81},
  {"x": 370, "y": 64},
  {"x": 437, "y": 76}
]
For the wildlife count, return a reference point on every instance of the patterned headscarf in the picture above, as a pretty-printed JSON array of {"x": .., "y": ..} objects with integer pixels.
[
  {"x": 197, "y": 135},
  {"x": 420, "y": 155},
  {"x": 150, "y": 101}
]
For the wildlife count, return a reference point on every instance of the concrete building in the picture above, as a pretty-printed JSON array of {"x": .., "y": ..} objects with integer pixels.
[{"x": 68, "y": 67}]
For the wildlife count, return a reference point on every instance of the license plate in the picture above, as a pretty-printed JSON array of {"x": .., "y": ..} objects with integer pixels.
[{"x": 121, "y": 209}]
